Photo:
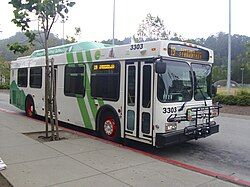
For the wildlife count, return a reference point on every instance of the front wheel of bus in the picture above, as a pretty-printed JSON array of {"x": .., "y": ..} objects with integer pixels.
[
  {"x": 29, "y": 109},
  {"x": 110, "y": 127}
]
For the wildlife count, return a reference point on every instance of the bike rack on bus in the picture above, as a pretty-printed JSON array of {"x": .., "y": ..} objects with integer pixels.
[{"x": 196, "y": 114}]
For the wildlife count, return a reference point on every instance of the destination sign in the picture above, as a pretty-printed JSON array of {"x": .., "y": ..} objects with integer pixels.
[
  {"x": 183, "y": 51},
  {"x": 104, "y": 66}
]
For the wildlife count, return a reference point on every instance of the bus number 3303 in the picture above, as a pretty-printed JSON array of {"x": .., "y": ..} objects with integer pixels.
[
  {"x": 169, "y": 110},
  {"x": 136, "y": 46}
]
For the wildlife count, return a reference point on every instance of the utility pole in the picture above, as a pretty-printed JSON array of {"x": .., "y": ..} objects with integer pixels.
[
  {"x": 63, "y": 21},
  {"x": 229, "y": 53},
  {"x": 113, "y": 41}
]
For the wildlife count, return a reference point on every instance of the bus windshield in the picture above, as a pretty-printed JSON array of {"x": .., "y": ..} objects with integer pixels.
[
  {"x": 202, "y": 75},
  {"x": 175, "y": 85}
]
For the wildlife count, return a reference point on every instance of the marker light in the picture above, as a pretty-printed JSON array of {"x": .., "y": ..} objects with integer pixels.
[
  {"x": 143, "y": 51},
  {"x": 189, "y": 115},
  {"x": 214, "y": 113}
]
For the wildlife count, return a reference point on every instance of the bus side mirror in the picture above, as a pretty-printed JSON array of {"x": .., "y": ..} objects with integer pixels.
[
  {"x": 160, "y": 67},
  {"x": 213, "y": 90}
]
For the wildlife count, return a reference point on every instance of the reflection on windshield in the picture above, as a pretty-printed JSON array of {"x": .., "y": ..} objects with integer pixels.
[
  {"x": 175, "y": 84},
  {"x": 202, "y": 75}
]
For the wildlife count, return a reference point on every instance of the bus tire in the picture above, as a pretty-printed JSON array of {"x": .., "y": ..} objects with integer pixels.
[
  {"x": 29, "y": 107},
  {"x": 109, "y": 126}
]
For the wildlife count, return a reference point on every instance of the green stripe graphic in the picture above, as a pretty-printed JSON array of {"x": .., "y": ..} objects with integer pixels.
[
  {"x": 88, "y": 55},
  {"x": 84, "y": 112},
  {"x": 89, "y": 59},
  {"x": 100, "y": 101},
  {"x": 81, "y": 102},
  {"x": 91, "y": 100},
  {"x": 70, "y": 58},
  {"x": 79, "y": 57},
  {"x": 80, "y": 99}
]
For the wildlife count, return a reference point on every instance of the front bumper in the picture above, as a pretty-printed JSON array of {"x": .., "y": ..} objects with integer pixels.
[{"x": 189, "y": 133}]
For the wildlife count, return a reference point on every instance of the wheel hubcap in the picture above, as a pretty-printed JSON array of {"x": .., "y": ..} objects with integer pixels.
[
  {"x": 29, "y": 109},
  {"x": 109, "y": 127}
]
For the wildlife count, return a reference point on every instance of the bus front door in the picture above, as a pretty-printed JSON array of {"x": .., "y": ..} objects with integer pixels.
[{"x": 139, "y": 96}]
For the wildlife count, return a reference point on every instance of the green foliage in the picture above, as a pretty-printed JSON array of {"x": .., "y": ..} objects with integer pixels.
[
  {"x": 240, "y": 46},
  {"x": 126, "y": 40},
  {"x": 20, "y": 37},
  {"x": 248, "y": 51},
  {"x": 152, "y": 28},
  {"x": 73, "y": 39},
  {"x": 219, "y": 73},
  {"x": 16, "y": 47},
  {"x": 4, "y": 86},
  {"x": 5, "y": 69},
  {"x": 46, "y": 12},
  {"x": 242, "y": 98}
]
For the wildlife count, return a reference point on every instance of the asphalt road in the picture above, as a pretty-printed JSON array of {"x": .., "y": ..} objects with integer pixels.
[{"x": 227, "y": 152}]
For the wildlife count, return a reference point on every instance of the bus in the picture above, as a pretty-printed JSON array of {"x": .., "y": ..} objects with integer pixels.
[{"x": 157, "y": 92}]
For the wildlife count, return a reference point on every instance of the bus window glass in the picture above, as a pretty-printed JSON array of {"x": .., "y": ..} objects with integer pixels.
[
  {"x": 131, "y": 86},
  {"x": 146, "y": 90},
  {"x": 131, "y": 120},
  {"x": 175, "y": 85},
  {"x": 105, "y": 80},
  {"x": 202, "y": 74},
  {"x": 74, "y": 84},
  {"x": 22, "y": 77},
  {"x": 145, "y": 122},
  {"x": 36, "y": 77}
]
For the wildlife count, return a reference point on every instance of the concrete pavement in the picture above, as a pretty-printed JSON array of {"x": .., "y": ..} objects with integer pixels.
[{"x": 83, "y": 161}]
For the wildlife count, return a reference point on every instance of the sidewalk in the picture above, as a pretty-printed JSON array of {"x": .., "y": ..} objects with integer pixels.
[{"x": 83, "y": 161}]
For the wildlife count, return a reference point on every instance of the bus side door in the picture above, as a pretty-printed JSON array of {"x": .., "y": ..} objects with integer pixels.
[{"x": 139, "y": 97}]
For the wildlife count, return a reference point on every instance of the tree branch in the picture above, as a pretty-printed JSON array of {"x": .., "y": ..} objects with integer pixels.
[{"x": 53, "y": 21}]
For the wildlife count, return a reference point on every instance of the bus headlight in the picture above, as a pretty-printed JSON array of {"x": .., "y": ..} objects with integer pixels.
[
  {"x": 170, "y": 126},
  {"x": 214, "y": 113}
]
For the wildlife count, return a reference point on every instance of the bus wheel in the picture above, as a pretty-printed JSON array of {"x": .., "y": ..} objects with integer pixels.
[
  {"x": 29, "y": 109},
  {"x": 110, "y": 127}
]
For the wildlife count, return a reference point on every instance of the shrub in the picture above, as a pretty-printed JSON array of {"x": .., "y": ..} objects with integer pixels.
[
  {"x": 4, "y": 86},
  {"x": 241, "y": 99},
  {"x": 243, "y": 93}
]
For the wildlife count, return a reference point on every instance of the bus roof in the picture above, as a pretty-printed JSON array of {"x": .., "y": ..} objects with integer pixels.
[
  {"x": 73, "y": 47},
  {"x": 93, "y": 51}
]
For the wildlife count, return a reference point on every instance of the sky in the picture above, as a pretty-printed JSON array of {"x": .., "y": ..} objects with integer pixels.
[{"x": 188, "y": 18}]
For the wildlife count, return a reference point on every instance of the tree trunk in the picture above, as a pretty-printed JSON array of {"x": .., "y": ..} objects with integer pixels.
[
  {"x": 54, "y": 98},
  {"x": 46, "y": 87},
  {"x": 51, "y": 101}
]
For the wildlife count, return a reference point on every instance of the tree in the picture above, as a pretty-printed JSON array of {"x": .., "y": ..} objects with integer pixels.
[
  {"x": 152, "y": 28},
  {"x": 5, "y": 70},
  {"x": 73, "y": 39},
  {"x": 46, "y": 13},
  {"x": 248, "y": 51},
  {"x": 219, "y": 73},
  {"x": 21, "y": 38}
]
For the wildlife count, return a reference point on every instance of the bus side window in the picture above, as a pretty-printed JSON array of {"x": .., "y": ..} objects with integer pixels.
[
  {"x": 146, "y": 89},
  {"x": 105, "y": 80},
  {"x": 36, "y": 77},
  {"x": 22, "y": 77},
  {"x": 74, "y": 80},
  {"x": 131, "y": 86}
]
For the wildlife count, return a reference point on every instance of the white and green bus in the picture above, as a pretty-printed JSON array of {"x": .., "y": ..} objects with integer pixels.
[{"x": 155, "y": 92}]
